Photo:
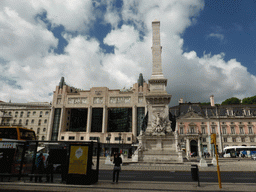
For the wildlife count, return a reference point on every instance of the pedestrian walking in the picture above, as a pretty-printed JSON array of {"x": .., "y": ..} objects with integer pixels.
[
  {"x": 117, "y": 167},
  {"x": 49, "y": 168},
  {"x": 39, "y": 167}
]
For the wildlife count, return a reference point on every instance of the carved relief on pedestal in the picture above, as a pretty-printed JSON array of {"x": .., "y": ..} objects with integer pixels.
[{"x": 159, "y": 124}]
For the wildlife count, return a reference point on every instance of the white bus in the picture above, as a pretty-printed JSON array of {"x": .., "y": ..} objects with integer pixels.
[{"x": 230, "y": 151}]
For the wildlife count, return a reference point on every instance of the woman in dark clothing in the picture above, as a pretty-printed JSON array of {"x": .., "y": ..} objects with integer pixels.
[{"x": 117, "y": 168}]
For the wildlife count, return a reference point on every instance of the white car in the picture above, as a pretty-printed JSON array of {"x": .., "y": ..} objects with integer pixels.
[{"x": 254, "y": 156}]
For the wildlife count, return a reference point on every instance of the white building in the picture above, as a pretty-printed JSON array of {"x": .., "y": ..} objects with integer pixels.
[{"x": 33, "y": 116}]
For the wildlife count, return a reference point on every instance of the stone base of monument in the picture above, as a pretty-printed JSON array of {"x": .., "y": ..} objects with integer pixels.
[
  {"x": 159, "y": 149},
  {"x": 203, "y": 163},
  {"x": 107, "y": 161},
  {"x": 214, "y": 161}
]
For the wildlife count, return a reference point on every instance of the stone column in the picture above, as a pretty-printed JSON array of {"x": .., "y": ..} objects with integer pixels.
[
  {"x": 49, "y": 129},
  {"x": 134, "y": 121},
  {"x": 89, "y": 119},
  {"x": 188, "y": 150},
  {"x": 220, "y": 138},
  {"x": 176, "y": 137},
  {"x": 61, "y": 121},
  {"x": 104, "y": 119},
  {"x": 209, "y": 148},
  {"x": 156, "y": 51},
  {"x": 199, "y": 147}
]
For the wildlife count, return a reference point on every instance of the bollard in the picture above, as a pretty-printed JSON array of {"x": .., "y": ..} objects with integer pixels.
[{"x": 194, "y": 173}]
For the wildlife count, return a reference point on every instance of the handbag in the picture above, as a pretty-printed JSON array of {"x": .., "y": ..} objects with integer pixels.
[{"x": 117, "y": 168}]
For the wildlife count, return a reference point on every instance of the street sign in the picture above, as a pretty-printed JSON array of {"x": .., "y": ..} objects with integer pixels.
[{"x": 213, "y": 138}]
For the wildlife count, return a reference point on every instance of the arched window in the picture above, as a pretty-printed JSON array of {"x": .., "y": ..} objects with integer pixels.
[
  {"x": 20, "y": 121},
  {"x": 38, "y": 130},
  {"x": 39, "y": 122},
  {"x": 44, "y": 129},
  {"x": 42, "y": 138},
  {"x": 27, "y": 122}
]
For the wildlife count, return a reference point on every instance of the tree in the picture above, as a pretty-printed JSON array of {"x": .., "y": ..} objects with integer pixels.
[
  {"x": 249, "y": 100},
  {"x": 205, "y": 103},
  {"x": 230, "y": 101}
]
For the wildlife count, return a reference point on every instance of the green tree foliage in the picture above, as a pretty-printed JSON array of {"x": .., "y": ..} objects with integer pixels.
[
  {"x": 249, "y": 100},
  {"x": 230, "y": 101},
  {"x": 205, "y": 103}
]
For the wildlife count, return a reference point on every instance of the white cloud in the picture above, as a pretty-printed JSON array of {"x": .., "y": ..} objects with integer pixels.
[
  {"x": 30, "y": 69},
  {"x": 73, "y": 15},
  {"x": 123, "y": 39},
  {"x": 21, "y": 39},
  {"x": 217, "y": 35},
  {"x": 112, "y": 15}
]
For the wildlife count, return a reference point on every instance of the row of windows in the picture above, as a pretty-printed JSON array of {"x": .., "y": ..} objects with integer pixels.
[
  {"x": 38, "y": 130},
  {"x": 213, "y": 130},
  {"x": 42, "y": 138},
  {"x": 27, "y": 121},
  {"x": 237, "y": 140},
  {"x": 16, "y": 114},
  {"x": 94, "y": 138},
  {"x": 232, "y": 123},
  {"x": 225, "y": 140}
]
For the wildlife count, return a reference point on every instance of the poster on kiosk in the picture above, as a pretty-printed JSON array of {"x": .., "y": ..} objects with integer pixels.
[{"x": 80, "y": 162}]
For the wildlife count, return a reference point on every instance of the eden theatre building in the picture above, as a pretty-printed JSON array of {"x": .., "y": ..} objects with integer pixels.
[{"x": 110, "y": 116}]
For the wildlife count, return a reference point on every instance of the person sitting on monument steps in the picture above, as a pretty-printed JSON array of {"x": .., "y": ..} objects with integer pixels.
[{"x": 117, "y": 168}]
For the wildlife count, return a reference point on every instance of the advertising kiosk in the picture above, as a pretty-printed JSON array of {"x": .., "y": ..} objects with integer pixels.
[{"x": 80, "y": 163}]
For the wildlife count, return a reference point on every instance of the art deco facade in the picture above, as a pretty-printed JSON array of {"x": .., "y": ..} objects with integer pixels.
[
  {"x": 108, "y": 115},
  {"x": 33, "y": 116},
  {"x": 233, "y": 125}
]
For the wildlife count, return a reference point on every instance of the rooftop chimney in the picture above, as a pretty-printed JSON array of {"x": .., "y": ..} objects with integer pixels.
[{"x": 212, "y": 101}]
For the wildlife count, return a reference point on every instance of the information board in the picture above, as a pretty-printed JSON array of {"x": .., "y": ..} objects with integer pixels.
[{"x": 78, "y": 160}]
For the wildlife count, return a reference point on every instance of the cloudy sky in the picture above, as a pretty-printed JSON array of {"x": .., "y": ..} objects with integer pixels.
[{"x": 208, "y": 46}]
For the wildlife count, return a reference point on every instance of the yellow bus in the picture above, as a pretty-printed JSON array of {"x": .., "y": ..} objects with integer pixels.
[
  {"x": 16, "y": 133},
  {"x": 12, "y": 147}
]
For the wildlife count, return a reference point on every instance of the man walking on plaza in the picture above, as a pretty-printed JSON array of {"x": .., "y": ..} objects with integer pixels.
[{"x": 117, "y": 168}]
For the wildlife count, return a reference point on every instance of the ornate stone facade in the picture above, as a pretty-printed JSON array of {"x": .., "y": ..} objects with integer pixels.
[{"x": 233, "y": 125}]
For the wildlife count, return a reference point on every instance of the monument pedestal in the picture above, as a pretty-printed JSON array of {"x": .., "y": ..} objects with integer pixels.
[{"x": 159, "y": 149}]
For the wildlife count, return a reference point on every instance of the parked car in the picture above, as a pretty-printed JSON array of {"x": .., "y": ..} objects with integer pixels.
[{"x": 254, "y": 156}]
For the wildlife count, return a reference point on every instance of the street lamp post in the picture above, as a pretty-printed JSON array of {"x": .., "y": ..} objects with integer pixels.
[
  {"x": 108, "y": 140},
  {"x": 120, "y": 134}
]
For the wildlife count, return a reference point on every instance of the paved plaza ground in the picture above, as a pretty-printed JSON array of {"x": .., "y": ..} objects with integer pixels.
[
  {"x": 229, "y": 165},
  {"x": 225, "y": 164}
]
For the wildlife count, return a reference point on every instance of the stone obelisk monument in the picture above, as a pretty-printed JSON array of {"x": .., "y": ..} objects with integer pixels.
[{"x": 158, "y": 143}]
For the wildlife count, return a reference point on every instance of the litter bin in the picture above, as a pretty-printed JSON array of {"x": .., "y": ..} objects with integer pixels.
[{"x": 194, "y": 172}]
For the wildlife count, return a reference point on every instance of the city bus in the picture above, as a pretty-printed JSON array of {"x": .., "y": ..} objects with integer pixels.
[
  {"x": 16, "y": 133},
  {"x": 231, "y": 151},
  {"x": 12, "y": 140}
]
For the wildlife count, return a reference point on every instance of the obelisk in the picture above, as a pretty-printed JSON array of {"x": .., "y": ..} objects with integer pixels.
[
  {"x": 157, "y": 98},
  {"x": 158, "y": 143}
]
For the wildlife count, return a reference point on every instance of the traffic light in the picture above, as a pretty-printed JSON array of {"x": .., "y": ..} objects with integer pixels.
[{"x": 213, "y": 138}]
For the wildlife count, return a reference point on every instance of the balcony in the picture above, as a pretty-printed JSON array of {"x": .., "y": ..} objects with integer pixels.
[
  {"x": 5, "y": 116},
  {"x": 192, "y": 133}
]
